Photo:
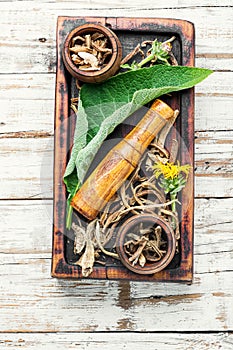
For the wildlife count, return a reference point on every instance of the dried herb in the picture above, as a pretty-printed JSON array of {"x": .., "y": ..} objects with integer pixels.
[
  {"x": 145, "y": 245},
  {"x": 88, "y": 243},
  {"x": 90, "y": 52},
  {"x": 159, "y": 52}
]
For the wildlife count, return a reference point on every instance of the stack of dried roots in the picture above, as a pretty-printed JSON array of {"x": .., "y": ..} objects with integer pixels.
[
  {"x": 90, "y": 52},
  {"x": 145, "y": 245}
]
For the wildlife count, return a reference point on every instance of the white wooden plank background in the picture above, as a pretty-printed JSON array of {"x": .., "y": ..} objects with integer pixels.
[{"x": 38, "y": 312}]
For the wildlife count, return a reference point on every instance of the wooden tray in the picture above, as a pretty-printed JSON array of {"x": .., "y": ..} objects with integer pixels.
[{"x": 130, "y": 31}]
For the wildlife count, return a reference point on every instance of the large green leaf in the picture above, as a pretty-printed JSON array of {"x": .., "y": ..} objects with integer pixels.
[{"x": 104, "y": 106}]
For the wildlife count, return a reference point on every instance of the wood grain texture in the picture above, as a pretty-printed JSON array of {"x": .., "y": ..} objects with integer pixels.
[
  {"x": 30, "y": 300},
  {"x": 121, "y": 341},
  {"x": 27, "y": 49},
  {"x": 84, "y": 306}
]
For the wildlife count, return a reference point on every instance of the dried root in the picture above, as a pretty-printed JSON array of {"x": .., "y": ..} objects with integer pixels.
[
  {"x": 145, "y": 245},
  {"x": 90, "y": 52},
  {"x": 84, "y": 240}
]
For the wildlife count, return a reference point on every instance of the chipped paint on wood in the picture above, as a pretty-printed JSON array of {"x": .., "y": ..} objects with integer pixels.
[{"x": 33, "y": 302}]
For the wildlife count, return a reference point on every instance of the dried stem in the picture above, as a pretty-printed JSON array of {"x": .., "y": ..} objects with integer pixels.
[
  {"x": 131, "y": 54},
  {"x": 97, "y": 232}
]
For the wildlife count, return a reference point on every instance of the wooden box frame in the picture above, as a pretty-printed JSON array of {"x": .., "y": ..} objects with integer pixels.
[{"x": 60, "y": 267}]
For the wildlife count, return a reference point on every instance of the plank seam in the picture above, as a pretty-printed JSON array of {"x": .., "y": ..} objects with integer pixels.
[{"x": 228, "y": 332}]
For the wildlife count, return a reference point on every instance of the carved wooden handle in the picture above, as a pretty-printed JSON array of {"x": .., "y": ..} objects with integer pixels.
[{"x": 120, "y": 162}]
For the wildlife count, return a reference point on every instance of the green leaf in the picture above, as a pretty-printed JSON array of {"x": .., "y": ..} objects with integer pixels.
[
  {"x": 104, "y": 106},
  {"x": 72, "y": 185},
  {"x": 80, "y": 140}
]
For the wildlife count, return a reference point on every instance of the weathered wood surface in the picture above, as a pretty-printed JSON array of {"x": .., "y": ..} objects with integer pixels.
[
  {"x": 120, "y": 341},
  {"x": 30, "y": 300},
  {"x": 28, "y": 49}
]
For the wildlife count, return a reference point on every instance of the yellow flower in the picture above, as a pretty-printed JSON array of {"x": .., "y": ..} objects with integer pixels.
[{"x": 170, "y": 170}]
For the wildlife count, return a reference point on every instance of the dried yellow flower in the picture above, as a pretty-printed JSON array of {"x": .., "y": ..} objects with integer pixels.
[{"x": 170, "y": 170}]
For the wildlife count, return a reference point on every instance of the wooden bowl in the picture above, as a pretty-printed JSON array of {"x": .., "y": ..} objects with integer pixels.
[
  {"x": 113, "y": 63},
  {"x": 150, "y": 221}
]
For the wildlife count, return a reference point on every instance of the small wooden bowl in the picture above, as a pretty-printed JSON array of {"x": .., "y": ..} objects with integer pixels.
[
  {"x": 149, "y": 267},
  {"x": 107, "y": 71}
]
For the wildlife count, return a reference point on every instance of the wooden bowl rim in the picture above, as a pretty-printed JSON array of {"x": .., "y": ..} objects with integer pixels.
[
  {"x": 114, "y": 41},
  {"x": 153, "y": 267}
]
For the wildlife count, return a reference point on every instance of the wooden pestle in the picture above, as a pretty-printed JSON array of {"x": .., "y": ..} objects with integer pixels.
[{"x": 120, "y": 162}]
